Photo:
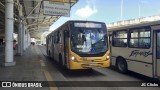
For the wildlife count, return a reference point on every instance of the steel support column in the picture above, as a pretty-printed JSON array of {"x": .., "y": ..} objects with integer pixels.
[
  {"x": 27, "y": 39},
  {"x": 20, "y": 39},
  {"x": 9, "y": 26},
  {"x": 20, "y": 33},
  {"x": 23, "y": 36}
]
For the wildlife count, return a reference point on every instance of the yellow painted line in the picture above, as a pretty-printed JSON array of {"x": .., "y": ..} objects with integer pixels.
[{"x": 48, "y": 76}]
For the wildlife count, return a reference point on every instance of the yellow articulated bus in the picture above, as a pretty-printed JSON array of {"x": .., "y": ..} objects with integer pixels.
[{"x": 79, "y": 45}]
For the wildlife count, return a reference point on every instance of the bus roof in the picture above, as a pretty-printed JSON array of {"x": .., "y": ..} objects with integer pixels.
[
  {"x": 153, "y": 23},
  {"x": 85, "y": 21}
]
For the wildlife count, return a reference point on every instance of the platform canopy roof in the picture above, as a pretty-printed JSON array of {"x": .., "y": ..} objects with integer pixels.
[{"x": 32, "y": 14}]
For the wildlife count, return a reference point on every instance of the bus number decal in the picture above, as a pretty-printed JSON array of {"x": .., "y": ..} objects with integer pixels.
[{"x": 141, "y": 53}]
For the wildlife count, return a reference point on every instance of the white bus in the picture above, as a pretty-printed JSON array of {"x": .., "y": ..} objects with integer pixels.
[{"x": 136, "y": 48}]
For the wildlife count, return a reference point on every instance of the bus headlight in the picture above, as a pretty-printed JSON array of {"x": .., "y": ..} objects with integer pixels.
[
  {"x": 73, "y": 59},
  {"x": 108, "y": 57}
]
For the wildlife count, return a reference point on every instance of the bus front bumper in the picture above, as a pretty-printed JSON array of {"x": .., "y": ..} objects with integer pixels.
[{"x": 88, "y": 65}]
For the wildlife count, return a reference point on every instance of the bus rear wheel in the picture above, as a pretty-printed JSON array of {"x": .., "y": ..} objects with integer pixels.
[
  {"x": 61, "y": 63},
  {"x": 122, "y": 65}
]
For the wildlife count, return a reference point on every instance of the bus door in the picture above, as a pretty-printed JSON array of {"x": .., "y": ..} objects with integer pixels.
[
  {"x": 66, "y": 47},
  {"x": 158, "y": 53},
  {"x": 52, "y": 47}
]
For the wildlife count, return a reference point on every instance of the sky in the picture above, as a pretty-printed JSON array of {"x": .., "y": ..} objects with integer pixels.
[{"x": 109, "y": 11}]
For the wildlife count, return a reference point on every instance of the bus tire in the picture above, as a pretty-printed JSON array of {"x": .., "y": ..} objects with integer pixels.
[
  {"x": 61, "y": 63},
  {"x": 121, "y": 65}
]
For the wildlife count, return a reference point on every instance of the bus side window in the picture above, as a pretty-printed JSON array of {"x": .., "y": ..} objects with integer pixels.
[
  {"x": 58, "y": 37},
  {"x": 119, "y": 38},
  {"x": 67, "y": 33},
  {"x": 139, "y": 38},
  {"x": 125, "y": 44},
  {"x": 55, "y": 38},
  {"x": 52, "y": 39}
]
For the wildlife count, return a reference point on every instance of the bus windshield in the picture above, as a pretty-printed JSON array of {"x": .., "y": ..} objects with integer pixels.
[{"x": 89, "y": 41}]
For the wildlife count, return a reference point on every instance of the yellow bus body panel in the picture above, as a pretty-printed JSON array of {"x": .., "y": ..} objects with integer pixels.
[{"x": 88, "y": 62}]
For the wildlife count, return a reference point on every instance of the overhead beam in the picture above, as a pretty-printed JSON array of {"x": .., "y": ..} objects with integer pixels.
[
  {"x": 2, "y": 4},
  {"x": 64, "y": 1},
  {"x": 31, "y": 17},
  {"x": 33, "y": 28},
  {"x": 32, "y": 10},
  {"x": 39, "y": 11},
  {"x": 33, "y": 24}
]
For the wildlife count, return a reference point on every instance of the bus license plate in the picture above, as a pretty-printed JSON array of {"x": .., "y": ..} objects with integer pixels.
[{"x": 92, "y": 64}]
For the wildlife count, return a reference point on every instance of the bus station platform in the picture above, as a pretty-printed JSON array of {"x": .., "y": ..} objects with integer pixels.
[{"x": 29, "y": 67}]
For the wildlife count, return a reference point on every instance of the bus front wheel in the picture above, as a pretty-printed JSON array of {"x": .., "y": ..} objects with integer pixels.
[{"x": 122, "y": 65}]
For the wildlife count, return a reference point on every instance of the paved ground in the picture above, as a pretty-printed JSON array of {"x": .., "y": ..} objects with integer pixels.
[
  {"x": 35, "y": 66},
  {"x": 28, "y": 68}
]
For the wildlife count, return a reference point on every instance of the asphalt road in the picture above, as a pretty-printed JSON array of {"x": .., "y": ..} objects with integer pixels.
[{"x": 95, "y": 75}]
